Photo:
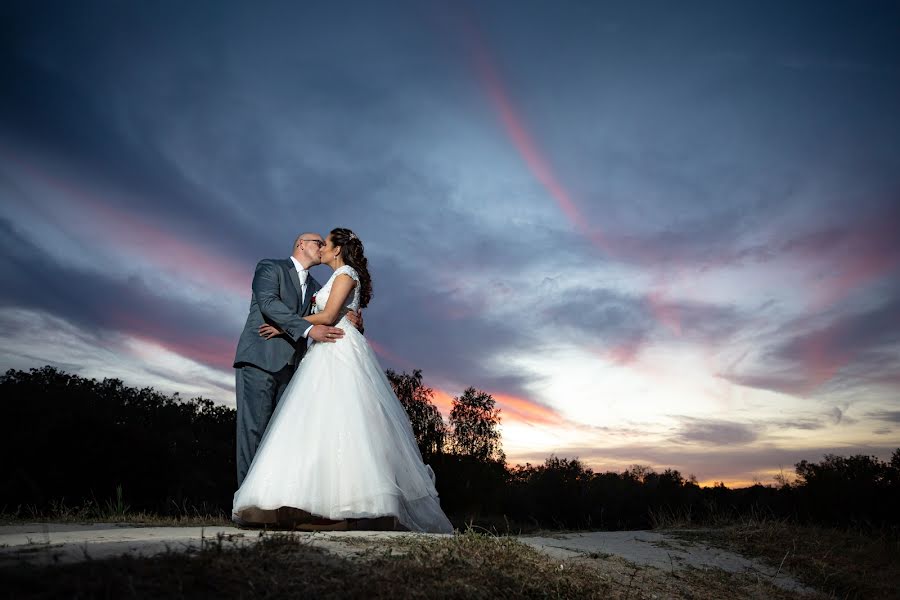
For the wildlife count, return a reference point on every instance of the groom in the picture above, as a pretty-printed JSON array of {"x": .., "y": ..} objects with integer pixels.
[{"x": 282, "y": 294}]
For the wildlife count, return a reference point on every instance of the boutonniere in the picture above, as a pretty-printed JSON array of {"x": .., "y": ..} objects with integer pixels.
[{"x": 312, "y": 305}]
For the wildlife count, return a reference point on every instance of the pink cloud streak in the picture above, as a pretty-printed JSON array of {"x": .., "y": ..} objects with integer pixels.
[
  {"x": 102, "y": 221},
  {"x": 210, "y": 350},
  {"x": 514, "y": 408}
]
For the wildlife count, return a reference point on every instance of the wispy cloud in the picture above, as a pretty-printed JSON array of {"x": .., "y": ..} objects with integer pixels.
[
  {"x": 715, "y": 432},
  {"x": 890, "y": 416}
]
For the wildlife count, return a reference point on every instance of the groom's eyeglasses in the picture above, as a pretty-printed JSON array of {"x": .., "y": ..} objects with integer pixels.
[{"x": 319, "y": 242}]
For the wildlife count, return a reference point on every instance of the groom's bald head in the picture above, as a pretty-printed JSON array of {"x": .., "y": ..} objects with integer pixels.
[
  {"x": 307, "y": 235},
  {"x": 306, "y": 249}
]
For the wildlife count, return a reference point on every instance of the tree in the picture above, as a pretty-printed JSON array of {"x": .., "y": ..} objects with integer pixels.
[
  {"x": 83, "y": 440},
  {"x": 475, "y": 420},
  {"x": 640, "y": 473},
  {"x": 853, "y": 488},
  {"x": 427, "y": 423}
]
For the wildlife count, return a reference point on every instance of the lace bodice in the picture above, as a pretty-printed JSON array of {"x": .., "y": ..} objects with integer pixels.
[{"x": 352, "y": 302}]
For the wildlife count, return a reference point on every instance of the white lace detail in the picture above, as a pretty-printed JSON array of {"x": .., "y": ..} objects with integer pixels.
[{"x": 352, "y": 302}]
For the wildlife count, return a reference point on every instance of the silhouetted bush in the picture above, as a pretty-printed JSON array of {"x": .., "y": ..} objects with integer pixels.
[
  {"x": 470, "y": 489},
  {"x": 860, "y": 490}
]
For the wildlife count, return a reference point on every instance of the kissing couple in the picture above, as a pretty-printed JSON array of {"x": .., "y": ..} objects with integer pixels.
[{"x": 321, "y": 436}]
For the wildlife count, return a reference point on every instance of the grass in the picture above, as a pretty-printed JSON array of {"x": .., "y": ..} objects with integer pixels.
[
  {"x": 114, "y": 511},
  {"x": 468, "y": 565},
  {"x": 843, "y": 563},
  {"x": 839, "y": 562}
]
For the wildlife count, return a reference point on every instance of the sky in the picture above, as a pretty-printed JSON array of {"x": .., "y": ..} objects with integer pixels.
[{"x": 664, "y": 234}]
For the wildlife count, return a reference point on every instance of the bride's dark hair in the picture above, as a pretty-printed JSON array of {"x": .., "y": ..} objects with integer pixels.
[{"x": 352, "y": 252}]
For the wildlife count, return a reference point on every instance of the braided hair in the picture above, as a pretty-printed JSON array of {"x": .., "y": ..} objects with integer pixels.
[{"x": 352, "y": 253}]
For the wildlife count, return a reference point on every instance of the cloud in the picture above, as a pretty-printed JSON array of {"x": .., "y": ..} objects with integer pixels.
[
  {"x": 800, "y": 423},
  {"x": 890, "y": 416},
  {"x": 419, "y": 323},
  {"x": 49, "y": 116},
  {"x": 618, "y": 325},
  {"x": 715, "y": 432},
  {"x": 33, "y": 339},
  {"x": 526, "y": 410},
  {"x": 855, "y": 254},
  {"x": 805, "y": 355},
  {"x": 838, "y": 416},
  {"x": 94, "y": 301}
]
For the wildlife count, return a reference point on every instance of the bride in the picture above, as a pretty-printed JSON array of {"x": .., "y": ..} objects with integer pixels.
[{"x": 340, "y": 445}]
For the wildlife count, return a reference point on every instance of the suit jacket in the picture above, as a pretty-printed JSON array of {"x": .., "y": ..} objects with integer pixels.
[{"x": 276, "y": 301}]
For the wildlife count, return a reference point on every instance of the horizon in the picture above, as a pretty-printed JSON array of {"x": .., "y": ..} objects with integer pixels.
[
  {"x": 788, "y": 475},
  {"x": 655, "y": 235}
]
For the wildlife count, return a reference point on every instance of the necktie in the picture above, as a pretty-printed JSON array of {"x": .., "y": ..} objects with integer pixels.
[{"x": 303, "y": 275}]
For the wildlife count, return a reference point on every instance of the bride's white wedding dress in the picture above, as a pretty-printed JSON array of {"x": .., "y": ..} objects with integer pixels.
[{"x": 340, "y": 444}]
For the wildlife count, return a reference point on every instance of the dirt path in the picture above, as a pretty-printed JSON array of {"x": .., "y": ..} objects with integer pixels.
[
  {"x": 665, "y": 551},
  {"x": 49, "y": 543}
]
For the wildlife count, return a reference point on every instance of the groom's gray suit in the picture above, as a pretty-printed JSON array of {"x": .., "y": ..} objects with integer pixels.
[{"x": 264, "y": 367}]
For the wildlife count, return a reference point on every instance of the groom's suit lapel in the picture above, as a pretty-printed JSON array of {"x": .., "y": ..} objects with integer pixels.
[{"x": 295, "y": 279}]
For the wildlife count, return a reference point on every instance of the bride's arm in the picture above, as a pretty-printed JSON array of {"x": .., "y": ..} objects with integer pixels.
[{"x": 331, "y": 314}]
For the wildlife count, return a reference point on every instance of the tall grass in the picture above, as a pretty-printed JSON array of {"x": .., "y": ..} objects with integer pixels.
[{"x": 115, "y": 510}]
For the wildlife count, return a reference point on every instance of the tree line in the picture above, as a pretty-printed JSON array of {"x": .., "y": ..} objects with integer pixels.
[{"x": 71, "y": 439}]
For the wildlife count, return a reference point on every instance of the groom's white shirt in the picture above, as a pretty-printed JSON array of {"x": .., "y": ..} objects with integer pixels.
[{"x": 303, "y": 274}]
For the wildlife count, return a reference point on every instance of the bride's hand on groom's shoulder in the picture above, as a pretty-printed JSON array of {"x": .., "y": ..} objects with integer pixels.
[{"x": 357, "y": 319}]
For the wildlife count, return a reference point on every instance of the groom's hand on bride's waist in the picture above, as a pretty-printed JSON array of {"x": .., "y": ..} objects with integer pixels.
[{"x": 324, "y": 333}]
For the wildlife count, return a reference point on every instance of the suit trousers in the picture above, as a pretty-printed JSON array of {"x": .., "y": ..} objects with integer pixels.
[{"x": 257, "y": 394}]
